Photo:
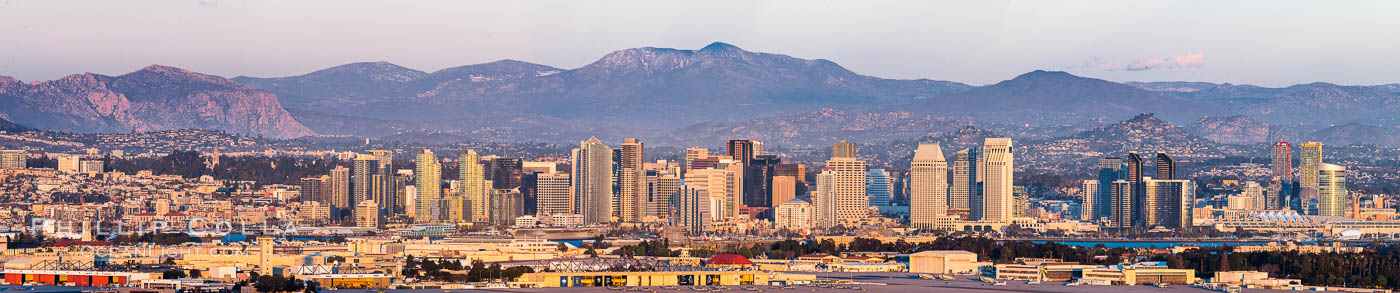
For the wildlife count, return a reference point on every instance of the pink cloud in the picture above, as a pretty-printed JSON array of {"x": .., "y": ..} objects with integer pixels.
[
  {"x": 1183, "y": 61},
  {"x": 1188, "y": 61}
]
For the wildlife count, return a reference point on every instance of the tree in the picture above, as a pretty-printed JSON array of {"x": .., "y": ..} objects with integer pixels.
[
  {"x": 195, "y": 274},
  {"x": 172, "y": 274}
]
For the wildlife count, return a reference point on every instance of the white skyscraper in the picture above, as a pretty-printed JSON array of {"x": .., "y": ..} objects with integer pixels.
[
  {"x": 928, "y": 186},
  {"x": 592, "y": 181},
  {"x": 996, "y": 173}
]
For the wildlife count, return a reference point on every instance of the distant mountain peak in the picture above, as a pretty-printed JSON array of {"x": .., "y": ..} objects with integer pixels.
[
  {"x": 1044, "y": 73},
  {"x": 720, "y": 46},
  {"x": 164, "y": 69}
]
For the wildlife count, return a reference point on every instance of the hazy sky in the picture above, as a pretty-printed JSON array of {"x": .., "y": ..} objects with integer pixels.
[{"x": 1270, "y": 43}]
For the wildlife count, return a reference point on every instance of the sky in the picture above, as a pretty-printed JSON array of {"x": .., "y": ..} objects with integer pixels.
[{"x": 1268, "y": 43}]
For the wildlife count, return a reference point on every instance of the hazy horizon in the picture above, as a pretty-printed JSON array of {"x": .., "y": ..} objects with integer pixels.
[{"x": 1283, "y": 43}]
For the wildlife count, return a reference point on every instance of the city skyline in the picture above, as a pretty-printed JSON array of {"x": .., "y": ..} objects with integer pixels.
[{"x": 688, "y": 146}]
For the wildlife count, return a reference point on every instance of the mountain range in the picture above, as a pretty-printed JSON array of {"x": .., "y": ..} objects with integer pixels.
[
  {"x": 685, "y": 97},
  {"x": 153, "y": 98}
]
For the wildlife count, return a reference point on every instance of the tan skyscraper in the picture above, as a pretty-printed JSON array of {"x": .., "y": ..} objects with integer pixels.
[
  {"x": 843, "y": 149},
  {"x": 851, "y": 201},
  {"x": 928, "y": 186},
  {"x": 473, "y": 198},
  {"x": 366, "y": 214},
  {"x": 338, "y": 187},
  {"x": 1331, "y": 190},
  {"x": 663, "y": 190},
  {"x": 592, "y": 181},
  {"x": 784, "y": 188},
  {"x": 553, "y": 194},
  {"x": 724, "y": 188},
  {"x": 695, "y": 153},
  {"x": 429, "y": 186},
  {"x": 997, "y": 170},
  {"x": 631, "y": 178}
]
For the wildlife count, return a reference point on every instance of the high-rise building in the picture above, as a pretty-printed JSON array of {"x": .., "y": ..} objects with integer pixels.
[
  {"x": 758, "y": 181},
  {"x": 692, "y": 210},
  {"x": 1110, "y": 170},
  {"x": 530, "y": 192},
  {"x": 505, "y": 173},
  {"x": 13, "y": 159},
  {"x": 314, "y": 189},
  {"x": 757, "y": 148},
  {"x": 385, "y": 185},
  {"x": 1166, "y": 167},
  {"x": 1088, "y": 202},
  {"x": 784, "y": 188},
  {"x": 740, "y": 150},
  {"x": 877, "y": 187},
  {"x": 1283, "y": 161},
  {"x": 401, "y": 200},
  {"x": 965, "y": 193},
  {"x": 362, "y": 179},
  {"x": 794, "y": 214},
  {"x": 852, "y": 205},
  {"x": 844, "y": 149},
  {"x": 552, "y": 195},
  {"x": 631, "y": 182},
  {"x": 799, "y": 174},
  {"x": 1331, "y": 190},
  {"x": 472, "y": 199},
  {"x": 1020, "y": 201},
  {"x": 339, "y": 191},
  {"x": 506, "y": 205},
  {"x": 1309, "y": 161},
  {"x": 1138, "y": 216},
  {"x": 996, "y": 173},
  {"x": 68, "y": 163},
  {"x": 367, "y": 214},
  {"x": 1168, "y": 203},
  {"x": 1309, "y": 158},
  {"x": 428, "y": 177},
  {"x": 723, "y": 186},
  {"x": 928, "y": 186},
  {"x": 824, "y": 200},
  {"x": 1121, "y": 216},
  {"x": 592, "y": 181},
  {"x": 695, "y": 153},
  {"x": 1255, "y": 194},
  {"x": 661, "y": 189}
]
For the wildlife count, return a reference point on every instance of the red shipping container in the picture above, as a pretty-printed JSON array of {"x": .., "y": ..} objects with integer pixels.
[
  {"x": 14, "y": 279},
  {"x": 99, "y": 281}
]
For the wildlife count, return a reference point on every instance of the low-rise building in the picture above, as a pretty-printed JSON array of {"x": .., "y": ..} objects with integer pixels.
[{"x": 945, "y": 262}]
